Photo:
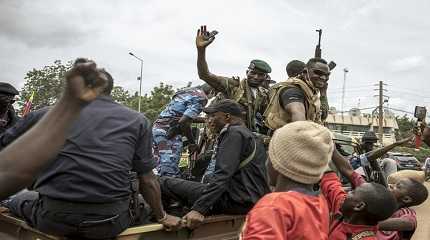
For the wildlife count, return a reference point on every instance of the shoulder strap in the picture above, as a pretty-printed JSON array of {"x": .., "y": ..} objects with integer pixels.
[
  {"x": 303, "y": 85},
  {"x": 250, "y": 157},
  {"x": 273, "y": 96},
  {"x": 363, "y": 234}
]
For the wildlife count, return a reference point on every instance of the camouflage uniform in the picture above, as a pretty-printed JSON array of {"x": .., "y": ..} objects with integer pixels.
[
  {"x": 254, "y": 101},
  {"x": 276, "y": 116},
  {"x": 188, "y": 102}
]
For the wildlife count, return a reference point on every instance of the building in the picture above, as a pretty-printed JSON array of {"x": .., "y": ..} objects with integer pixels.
[{"x": 355, "y": 124}]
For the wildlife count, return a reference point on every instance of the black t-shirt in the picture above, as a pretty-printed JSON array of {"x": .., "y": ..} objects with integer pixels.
[
  {"x": 290, "y": 95},
  {"x": 105, "y": 143}
]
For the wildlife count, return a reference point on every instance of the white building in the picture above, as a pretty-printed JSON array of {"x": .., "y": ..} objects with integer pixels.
[{"x": 355, "y": 124}]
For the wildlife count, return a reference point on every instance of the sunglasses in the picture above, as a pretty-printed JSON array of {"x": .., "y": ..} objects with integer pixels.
[{"x": 320, "y": 73}]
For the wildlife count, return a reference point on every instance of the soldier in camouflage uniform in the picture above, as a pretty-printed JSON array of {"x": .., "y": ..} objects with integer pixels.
[
  {"x": 294, "y": 69},
  {"x": 173, "y": 123},
  {"x": 298, "y": 98},
  {"x": 250, "y": 92}
]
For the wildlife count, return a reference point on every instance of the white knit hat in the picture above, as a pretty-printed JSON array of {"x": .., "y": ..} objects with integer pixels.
[{"x": 301, "y": 151}]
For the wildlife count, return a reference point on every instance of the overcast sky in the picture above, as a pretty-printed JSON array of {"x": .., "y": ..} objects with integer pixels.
[{"x": 376, "y": 40}]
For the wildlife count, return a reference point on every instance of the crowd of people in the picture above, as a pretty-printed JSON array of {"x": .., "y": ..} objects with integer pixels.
[{"x": 68, "y": 169}]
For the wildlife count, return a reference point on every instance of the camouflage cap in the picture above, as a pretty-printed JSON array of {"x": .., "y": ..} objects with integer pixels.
[{"x": 260, "y": 65}]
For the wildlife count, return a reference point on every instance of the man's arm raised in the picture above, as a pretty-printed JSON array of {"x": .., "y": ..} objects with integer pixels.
[
  {"x": 25, "y": 157},
  {"x": 377, "y": 153},
  {"x": 219, "y": 83}
]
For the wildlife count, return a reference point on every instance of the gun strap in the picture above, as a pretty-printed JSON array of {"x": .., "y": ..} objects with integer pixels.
[{"x": 250, "y": 157}]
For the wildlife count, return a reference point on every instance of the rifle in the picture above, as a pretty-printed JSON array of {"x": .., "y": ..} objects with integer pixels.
[
  {"x": 331, "y": 64},
  {"x": 318, "y": 47}
]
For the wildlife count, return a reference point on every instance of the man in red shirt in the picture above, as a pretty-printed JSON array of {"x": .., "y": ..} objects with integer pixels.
[
  {"x": 299, "y": 154},
  {"x": 407, "y": 192},
  {"x": 355, "y": 215}
]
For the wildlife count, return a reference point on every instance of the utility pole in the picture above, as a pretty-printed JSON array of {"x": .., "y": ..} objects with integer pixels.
[
  {"x": 380, "y": 108},
  {"x": 345, "y": 70},
  {"x": 381, "y": 111}
]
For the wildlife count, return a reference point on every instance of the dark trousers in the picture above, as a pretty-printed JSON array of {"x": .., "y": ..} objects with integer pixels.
[
  {"x": 188, "y": 192},
  {"x": 73, "y": 220}
]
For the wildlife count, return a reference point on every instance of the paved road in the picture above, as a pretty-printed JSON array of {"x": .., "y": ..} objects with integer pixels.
[{"x": 423, "y": 217}]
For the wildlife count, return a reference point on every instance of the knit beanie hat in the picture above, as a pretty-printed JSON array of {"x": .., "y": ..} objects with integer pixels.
[{"x": 301, "y": 151}]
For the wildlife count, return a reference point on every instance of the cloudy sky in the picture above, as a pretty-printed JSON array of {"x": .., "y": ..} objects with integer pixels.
[{"x": 376, "y": 40}]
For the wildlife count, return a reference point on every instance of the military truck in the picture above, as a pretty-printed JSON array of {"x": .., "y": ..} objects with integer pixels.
[
  {"x": 215, "y": 227},
  {"x": 220, "y": 227}
]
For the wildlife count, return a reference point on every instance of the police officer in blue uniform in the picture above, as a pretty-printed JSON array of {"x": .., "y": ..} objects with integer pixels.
[{"x": 173, "y": 123}]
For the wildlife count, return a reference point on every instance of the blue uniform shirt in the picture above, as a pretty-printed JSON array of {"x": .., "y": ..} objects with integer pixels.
[{"x": 189, "y": 102}]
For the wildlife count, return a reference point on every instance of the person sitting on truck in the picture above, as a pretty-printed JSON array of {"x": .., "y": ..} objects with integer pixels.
[
  {"x": 298, "y": 153},
  {"x": 294, "y": 68},
  {"x": 173, "y": 123},
  {"x": 368, "y": 141},
  {"x": 236, "y": 176},
  {"x": 86, "y": 191},
  {"x": 23, "y": 159},
  {"x": 407, "y": 192}
]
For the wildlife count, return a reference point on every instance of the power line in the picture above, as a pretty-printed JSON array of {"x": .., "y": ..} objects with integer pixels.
[
  {"x": 353, "y": 87},
  {"x": 404, "y": 111},
  {"x": 410, "y": 93},
  {"x": 348, "y": 91}
]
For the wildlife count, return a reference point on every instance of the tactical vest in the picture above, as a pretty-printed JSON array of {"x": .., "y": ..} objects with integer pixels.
[
  {"x": 243, "y": 95},
  {"x": 276, "y": 116}
]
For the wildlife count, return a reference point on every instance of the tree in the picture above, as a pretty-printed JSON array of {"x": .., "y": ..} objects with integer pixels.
[
  {"x": 46, "y": 83},
  {"x": 154, "y": 103},
  {"x": 405, "y": 124},
  {"x": 120, "y": 95}
]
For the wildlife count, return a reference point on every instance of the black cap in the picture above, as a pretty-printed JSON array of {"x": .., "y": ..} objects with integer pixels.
[
  {"x": 369, "y": 136},
  {"x": 225, "y": 106},
  {"x": 6, "y": 88}
]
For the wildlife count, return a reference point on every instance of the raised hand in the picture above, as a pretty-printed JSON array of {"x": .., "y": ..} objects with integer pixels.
[
  {"x": 204, "y": 38},
  {"x": 84, "y": 82}
]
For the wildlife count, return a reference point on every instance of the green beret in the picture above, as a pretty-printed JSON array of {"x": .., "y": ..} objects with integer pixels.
[{"x": 260, "y": 65}]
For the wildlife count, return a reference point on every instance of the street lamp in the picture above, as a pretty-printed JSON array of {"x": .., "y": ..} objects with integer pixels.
[
  {"x": 345, "y": 70},
  {"x": 140, "y": 78}
]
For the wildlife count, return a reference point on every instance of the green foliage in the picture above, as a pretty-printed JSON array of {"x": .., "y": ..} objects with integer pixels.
[
  {"x": 47, "y": 84},
  {"x": 120, "y": 95},
  {"x": 421, "y": 155},
  {"x": 405, "y": 126},
  {"x": 153, "y": 104}
]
